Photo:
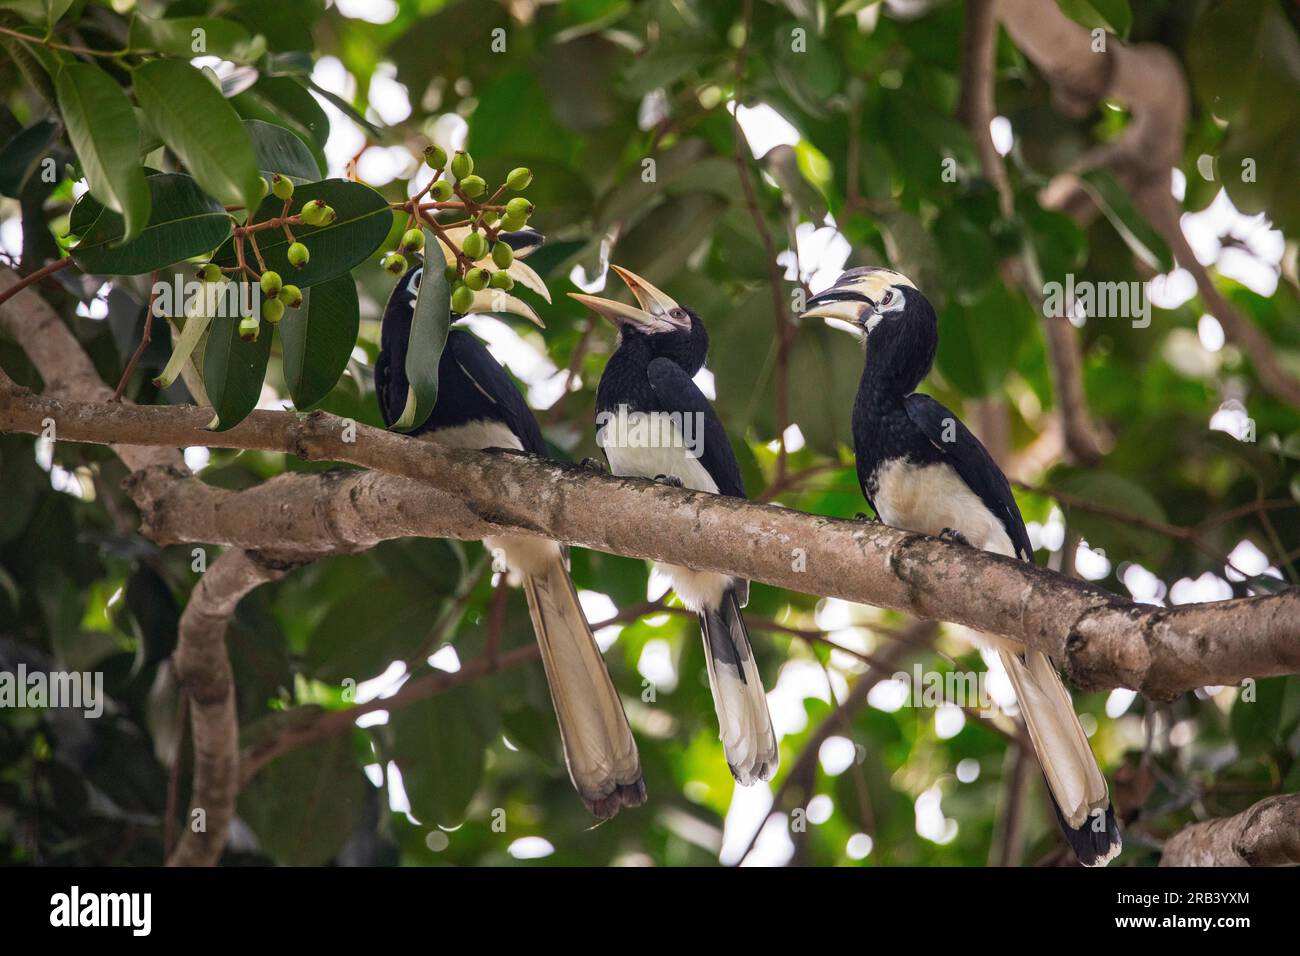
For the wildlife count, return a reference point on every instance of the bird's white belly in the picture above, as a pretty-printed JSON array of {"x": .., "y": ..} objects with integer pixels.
[
  {"x": 933, "y": 497},
  {"x": 629, "y": 457},
  {"x": 480, "y": 434}
]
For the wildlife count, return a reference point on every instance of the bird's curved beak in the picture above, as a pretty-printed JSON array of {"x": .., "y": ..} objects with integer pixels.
[
  {"x": 619, "y": 313},
  {"x": 843, "y": 308},
  {"x": 655, "y": 302},
  {"x": 653, "y": 311},
  {"x": 498, "y": 300}
]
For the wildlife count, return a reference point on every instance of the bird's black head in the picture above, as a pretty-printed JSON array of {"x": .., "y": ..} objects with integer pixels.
[
  {"x": 657, "y": 325},
  {"x": 884, "y": 309}
]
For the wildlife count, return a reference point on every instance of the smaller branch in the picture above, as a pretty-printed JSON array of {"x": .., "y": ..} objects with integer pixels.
[
  {"x": 42, "y": 41},
  {"x": 803, "y": 771},
  {"x": 34, "y": 277},
  {"x": 203, "y": 672},
  {"x": 1267, "y": 834},
  {"x": 334, "y": 722},
  {"x": 146, "y": 334}
]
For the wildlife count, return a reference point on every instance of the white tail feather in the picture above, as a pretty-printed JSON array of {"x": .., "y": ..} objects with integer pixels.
[
  {"x": 1059, "y": 741},
  {"x": 599, "y": 748}
]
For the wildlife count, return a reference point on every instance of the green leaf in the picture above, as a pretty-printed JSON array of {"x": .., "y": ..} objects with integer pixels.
[
  {"x": 347, "y": 108},
  {"x": 305, "y": 804},
  {"x": 197, "y": 123},
  {"x": 978, "y": 343},
  {"x": 1138, "y": 234},
  {"x": 318, "y": 339},
  {"x": 1120, "y": 539},
  {"x": 429, "y": 328},
  {"x": 102, "y": 127},
  {"x": 21, "y": 154},
  {"x": 1112, "y": 15},
  {"x": 279, "y": 150},
  {"x": 188, "y": 37},
  {"x": 394, "y": 619},
  {"x": 363, "y": 222},
  {"x": 1255, "y": 723},
  {"x": 46, "y": 13},
  {"x": 233, "y": 371},
  {"x": 439, "y": 744},
  {"x": 184, "y": 222}
]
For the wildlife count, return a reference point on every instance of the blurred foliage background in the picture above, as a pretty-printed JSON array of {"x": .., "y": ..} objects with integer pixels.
[{"x": 624, "y": 112}]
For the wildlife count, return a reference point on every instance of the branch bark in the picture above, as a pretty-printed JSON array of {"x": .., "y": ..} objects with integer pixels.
[
  {"x": 1267, "y": 834},
  {"x": 203, "y": 671},
  {"x": 417, "y": 488}
]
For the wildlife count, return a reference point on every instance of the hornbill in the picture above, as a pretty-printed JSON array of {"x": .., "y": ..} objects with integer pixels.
[
  {"x": 661, "y": 345},
  {"x": 921, "y": 469},
  {"x": 479, "y": 406}
]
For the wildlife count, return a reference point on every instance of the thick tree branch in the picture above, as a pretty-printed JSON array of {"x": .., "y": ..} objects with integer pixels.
[
  {"x": 1103, "y": 640},
  {"x": 1267, "y": 834},
  {"x": 203, "y": 672},
  {"x": 1149, "y": 81},
  {"x": 63, "y": 364}
]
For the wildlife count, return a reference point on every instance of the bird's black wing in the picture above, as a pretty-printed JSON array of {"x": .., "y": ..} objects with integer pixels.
[
  {"x": 973, "y": 463},
  {"x": 474, "y": 386},
  {"x": 676, "y": 392}
]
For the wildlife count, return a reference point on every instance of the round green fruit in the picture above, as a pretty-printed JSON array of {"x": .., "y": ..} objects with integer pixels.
[{"x": 291, "y": 296}]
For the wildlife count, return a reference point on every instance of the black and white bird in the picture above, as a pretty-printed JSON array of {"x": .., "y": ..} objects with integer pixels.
[
  {"x": 479, "y": 406},
  {"x": 654, "y": 422},
  {"x": 921, "y": 469}
]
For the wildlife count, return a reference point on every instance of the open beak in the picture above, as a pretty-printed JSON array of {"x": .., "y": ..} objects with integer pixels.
[
  {"x": 654, "y": 311},
  {"x": 655, "y": 302},
  {"x": 843, "y": 309},
  {"x": 617, "y": 312}
]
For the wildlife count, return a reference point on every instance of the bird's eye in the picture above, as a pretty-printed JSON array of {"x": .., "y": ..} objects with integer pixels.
[
  {"x": 889, "y": 297},
  {"x": 678, "y": 314}
]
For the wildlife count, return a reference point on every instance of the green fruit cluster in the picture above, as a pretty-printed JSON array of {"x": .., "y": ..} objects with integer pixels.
[{"x": 456, "y": 184}]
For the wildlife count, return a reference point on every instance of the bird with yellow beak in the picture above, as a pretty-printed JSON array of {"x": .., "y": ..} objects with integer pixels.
[
  {"x": 921, "y": 469},
  {"x": 479, "y": 406},
  {"x": 654, "y": 422}
]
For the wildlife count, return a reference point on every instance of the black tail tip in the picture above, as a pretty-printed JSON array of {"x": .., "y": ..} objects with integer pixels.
[
  {"x": 623, "y": 795},
  {"x": 748, "y": 776},
  {"x": 1097, "y": 841}
]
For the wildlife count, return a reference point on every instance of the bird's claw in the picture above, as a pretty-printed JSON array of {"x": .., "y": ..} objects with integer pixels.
[
  {"x": 593, "y": 464},
  {"x": 955, "y": 536},
  {"x": 864, "y": 517},
  {"x": 670, "y": 480}
]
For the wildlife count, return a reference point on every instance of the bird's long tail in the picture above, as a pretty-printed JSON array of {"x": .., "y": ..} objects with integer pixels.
[
  {"x": 738, "y": 697},
  {"x": 1074, "y": 780},
  {"x": 598, "y": 746}
]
